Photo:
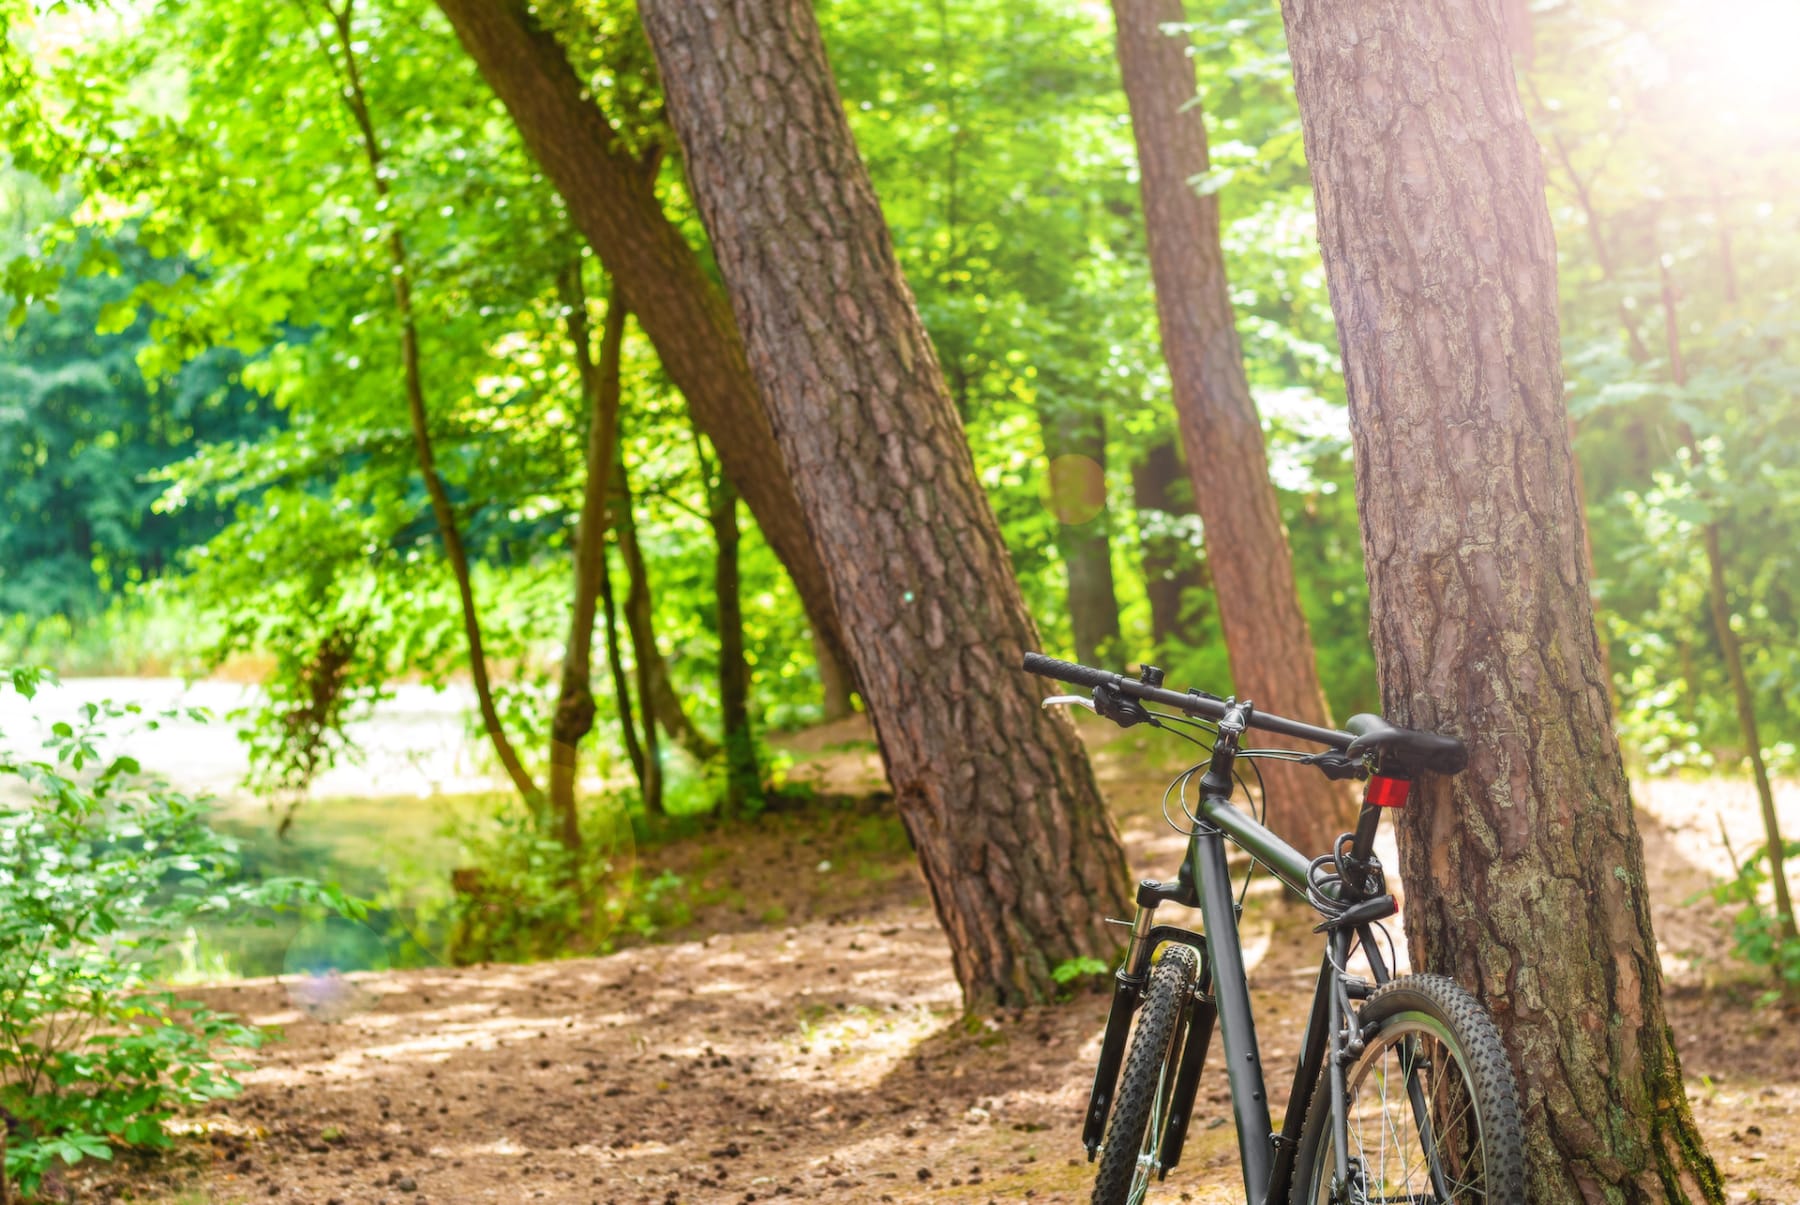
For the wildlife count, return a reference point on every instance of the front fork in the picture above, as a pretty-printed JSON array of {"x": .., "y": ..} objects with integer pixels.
[{"x": 1129, "y": 984}]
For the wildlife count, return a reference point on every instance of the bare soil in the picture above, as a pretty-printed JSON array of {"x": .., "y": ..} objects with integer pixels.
[{"x": 800, "y": 1037}]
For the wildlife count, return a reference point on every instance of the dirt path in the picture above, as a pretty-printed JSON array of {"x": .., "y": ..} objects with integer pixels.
[
  {"x": 820, "y": 1056},
  {"x": 822, "y": 1062}
]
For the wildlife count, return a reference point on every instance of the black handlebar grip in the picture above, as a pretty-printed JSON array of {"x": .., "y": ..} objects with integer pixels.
[{"x": 1067, "y": 671}]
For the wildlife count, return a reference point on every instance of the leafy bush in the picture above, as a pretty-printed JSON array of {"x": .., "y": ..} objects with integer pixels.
[
  {"x": 1757, "y": 929},
  {"x": 101, "y": 869},
  {"x": 526, "y": 896},
  {"x": 1078, "y": 968}
]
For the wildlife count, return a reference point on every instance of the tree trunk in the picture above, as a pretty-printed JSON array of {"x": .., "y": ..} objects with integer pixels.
[
  {"x": 1266, "y": 636},
  {"x": 1171, "y": 567},
  {"x": 834, "y": 683},
  {"x": 400, "y": 276},
  {"x": 600, "y": 389},
  {"x": 1075, "y": 442},
  {"x": 639, "y": 622},
  {"x": 743, "y": 777},
  {"x": 665, "y": 704},
  {"x": 612, "y": 200},
  {"x": 1020, "y": 855},
  {"x": 1524, "y": 875},
  {"x": 634, "y": 748},
  {"x": 1718, "y": 599}
]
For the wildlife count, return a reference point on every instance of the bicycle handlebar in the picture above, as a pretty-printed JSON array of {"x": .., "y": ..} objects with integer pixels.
[{"x": 1191, "y": 703}]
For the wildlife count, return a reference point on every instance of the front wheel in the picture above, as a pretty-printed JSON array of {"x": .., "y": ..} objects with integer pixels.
[
  {"x": 1132, "y": 1154},
  {"x": 1432, "y": 1113}
]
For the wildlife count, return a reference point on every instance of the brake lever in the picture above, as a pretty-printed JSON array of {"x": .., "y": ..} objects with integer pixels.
[
  {"x": 1076, "y": 700},
  {"x": 1337, "y": 765}
]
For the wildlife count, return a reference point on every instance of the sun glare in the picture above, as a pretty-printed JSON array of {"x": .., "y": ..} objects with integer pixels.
[{"x": 1740, "y": 59}]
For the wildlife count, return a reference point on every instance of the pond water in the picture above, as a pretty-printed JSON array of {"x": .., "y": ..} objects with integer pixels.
[{"x": 381, "y": 826}]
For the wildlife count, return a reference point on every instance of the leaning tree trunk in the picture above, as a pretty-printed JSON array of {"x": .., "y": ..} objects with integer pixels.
[
  {"x": 1020, "y": 855},
  {"x": 1266, "y": 636},
  {"x": 612, "y": 200},
  {"x": 1525, "y": 875}
]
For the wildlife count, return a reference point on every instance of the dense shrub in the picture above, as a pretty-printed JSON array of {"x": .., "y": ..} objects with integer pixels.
[{"x": 101, "y": 868}]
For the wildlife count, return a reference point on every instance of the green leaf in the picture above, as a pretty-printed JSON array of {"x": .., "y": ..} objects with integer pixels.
[{"x": 116, "y": 316}]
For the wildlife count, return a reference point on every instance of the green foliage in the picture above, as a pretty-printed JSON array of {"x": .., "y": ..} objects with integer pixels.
[
  {"x": 1757, "y": 930},
  {"x": 1079, "y": 968},
  {"x": 240, "y": 256},
  {"x": 100, "y": 870},
  {"x": 526, "y": 896},
  {"x": 82, "y": 435},
  {"x": 1667, "y": 161}
]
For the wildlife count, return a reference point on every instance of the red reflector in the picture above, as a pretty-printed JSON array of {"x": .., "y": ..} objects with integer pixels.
[{"x": 1387, "y": 792}]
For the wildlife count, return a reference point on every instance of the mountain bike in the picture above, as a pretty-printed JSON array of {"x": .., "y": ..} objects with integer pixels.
[{"x": 1402, "y": 1092}]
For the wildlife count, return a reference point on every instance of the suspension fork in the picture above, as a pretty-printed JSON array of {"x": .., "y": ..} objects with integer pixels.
[{"x": 1129, "y": 982}]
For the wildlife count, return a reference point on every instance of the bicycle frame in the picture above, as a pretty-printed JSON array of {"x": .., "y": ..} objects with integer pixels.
[{"x": 1267, "y": 1157}]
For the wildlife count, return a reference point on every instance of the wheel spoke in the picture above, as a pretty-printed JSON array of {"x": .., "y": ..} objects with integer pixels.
[{"x": 1414, "y": 1131}]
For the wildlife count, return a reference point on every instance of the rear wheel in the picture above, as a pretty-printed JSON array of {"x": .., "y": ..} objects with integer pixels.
[
  {"x": 1432, "y": 1111},
  {"x": 1132, "y": 1155}
]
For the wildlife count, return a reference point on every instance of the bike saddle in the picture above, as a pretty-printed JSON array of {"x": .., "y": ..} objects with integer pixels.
[{"x": 1405, "y": 749}]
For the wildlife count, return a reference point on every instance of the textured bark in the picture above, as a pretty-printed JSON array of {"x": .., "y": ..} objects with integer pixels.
[
  {"x": 1171, "y": 568},
  {"x": 612, "y": 200},
  {"x": 1524, "y": 875},
  {"x": 600, "y": 389},
  {"x": 1075, "y": 442},
  {"x": 1517, "y": 15},
  {"x": 1266, "y": 636},
  {"x": 1020, "y": 855}
]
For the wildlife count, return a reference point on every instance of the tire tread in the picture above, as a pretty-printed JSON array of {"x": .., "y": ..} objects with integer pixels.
[
  {"x": 1469, "y": 1021},
  {"x": 1171, "y": 985}
]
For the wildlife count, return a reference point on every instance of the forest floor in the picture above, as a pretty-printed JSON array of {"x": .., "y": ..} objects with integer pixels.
[{"x": 798, "y": 1036}]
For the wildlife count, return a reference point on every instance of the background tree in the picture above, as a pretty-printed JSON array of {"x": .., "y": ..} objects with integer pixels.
[
  {"x": 1676, "y": 292},
  {"x": 1252, "y": 572},
  {"x": 1021, "y": 858},
  {"x": 610, "y": 196},
  {"x": 1525, "y": 875}
]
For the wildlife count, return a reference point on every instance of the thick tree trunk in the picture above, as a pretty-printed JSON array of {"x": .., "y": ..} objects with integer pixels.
[
  {"x": 1075, "y": 442},
  {"x": 612, "y": 200},
  {"x": 600, "y": 388},
  {"x": 1266, "y": 636},
  {"x": 1524, "y": 875},
  {"x": 1020, "y": 855},
  {"x": 1172, "y": 569},
  {"x": 743, "y": 777}
]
